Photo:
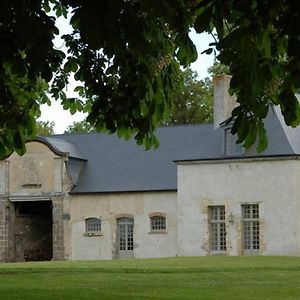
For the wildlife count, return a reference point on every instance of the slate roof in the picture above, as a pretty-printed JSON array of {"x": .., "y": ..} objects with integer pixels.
[
  {"x": 115, "y": 165},
  {"x": 61, "y": 147}
]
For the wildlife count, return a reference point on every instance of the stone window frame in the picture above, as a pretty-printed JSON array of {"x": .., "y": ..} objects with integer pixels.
[
  {"x": 250, "y": 228},
  {"x": 154, "y": 216},
  {"x": 93, "y": 226},
  {"x": 124, "y": 215},
  {"x": 217, "y": 229}
]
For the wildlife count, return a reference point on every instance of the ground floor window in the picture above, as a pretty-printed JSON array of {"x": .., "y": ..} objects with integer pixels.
[
  {"x": 250, "y": 222},
  {"x": 92, "y": 226},
  {"x": 217, "y": 228},
  {"x": 157, "y": 222}
]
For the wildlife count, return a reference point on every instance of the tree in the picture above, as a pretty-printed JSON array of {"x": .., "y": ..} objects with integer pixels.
[
  {"x": 80, "y": 126},
  {"x": 194, "y": 102},
  {"x": 45, "y": 128},
  {"x": 126, "y": 55},
  {"x": 217, "y": 69}
]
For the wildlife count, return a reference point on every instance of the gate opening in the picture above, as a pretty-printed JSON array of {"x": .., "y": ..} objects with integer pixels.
[{"x": 33, "y": 231}]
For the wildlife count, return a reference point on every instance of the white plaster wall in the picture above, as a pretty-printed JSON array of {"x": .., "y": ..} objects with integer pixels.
[
  {"x": 108, "y": 207},
  {"x": 157, "y": 244},
  {"x": 85, "y": 247},
  {"x": 274, "y": 185}
]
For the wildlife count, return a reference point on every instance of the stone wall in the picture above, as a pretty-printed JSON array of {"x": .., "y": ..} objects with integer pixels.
[
  {"x": 3, "y": 231},
  {"x": 58, "y": 234},
  {"x": 7, "y": 247}
]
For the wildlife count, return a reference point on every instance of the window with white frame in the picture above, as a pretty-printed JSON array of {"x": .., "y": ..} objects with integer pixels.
[
  {"x": 158, "y": 222},
  {"x": 250, "y": 234},
  {"x": 93, "y": 226},
  {"x": 217, "y": 228}
]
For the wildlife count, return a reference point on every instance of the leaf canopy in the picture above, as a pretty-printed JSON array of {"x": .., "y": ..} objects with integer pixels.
[{"x": 126, "y": 57}]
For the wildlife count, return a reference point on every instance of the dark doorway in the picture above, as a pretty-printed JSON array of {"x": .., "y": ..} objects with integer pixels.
[{"x": 33, "y": 231}]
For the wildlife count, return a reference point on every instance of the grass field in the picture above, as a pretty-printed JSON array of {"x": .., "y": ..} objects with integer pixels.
[{"x": 169, "y": 278}]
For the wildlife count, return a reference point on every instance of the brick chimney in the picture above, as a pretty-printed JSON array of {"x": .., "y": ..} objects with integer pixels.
[{"x": 223, "y": 102}]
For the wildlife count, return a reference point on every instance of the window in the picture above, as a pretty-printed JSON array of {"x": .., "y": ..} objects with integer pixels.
[
  {"x": 250, "y": 220},
  {"x": 158, "y": 222},
  {"x": 93, "y": 226},
  {"x": 217, "y": 228}
]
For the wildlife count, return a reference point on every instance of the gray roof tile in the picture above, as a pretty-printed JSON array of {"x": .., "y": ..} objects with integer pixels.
[
  {"x": 60, "y": 147},
  {"x": 115, "y": 165}
]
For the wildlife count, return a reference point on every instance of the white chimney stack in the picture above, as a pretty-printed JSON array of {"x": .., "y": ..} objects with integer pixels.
[{"x": 223, "y": 102}]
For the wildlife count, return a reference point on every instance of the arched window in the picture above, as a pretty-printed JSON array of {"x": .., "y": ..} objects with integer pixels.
[
  {"x": 158, "y": 222},
  {"x": 93, "y": 226}
]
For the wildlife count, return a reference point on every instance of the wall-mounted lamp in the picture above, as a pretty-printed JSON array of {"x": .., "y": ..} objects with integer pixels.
[{"x": 231, "y": 218}]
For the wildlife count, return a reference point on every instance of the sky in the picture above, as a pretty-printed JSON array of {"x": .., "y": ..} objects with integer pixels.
[{"x": 63, "y": 118}]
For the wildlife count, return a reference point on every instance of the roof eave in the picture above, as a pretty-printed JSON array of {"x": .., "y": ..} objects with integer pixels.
[
  {"x": 239, "y": 158},
  {"x": 122, "y": 191}
]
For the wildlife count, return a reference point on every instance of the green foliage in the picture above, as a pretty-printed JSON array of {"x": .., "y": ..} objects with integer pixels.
[
  {"x": 27, "y": 61},
  {"x": 79, "y": 127},
  {"x": 193, "y": 104},
  {"x": 123, "y": 53},
  {"x": 127, "y": 61},
  {"x": 44, "y": 128},
  {"x": 212, "y": 277},
  {"x": 218, "y": 69},
  {"x": 126, "y": 57},
  {"x": 260, "y": 50}
]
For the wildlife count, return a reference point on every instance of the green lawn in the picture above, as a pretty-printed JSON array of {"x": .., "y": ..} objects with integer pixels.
[{"x": 169, "y": 278}]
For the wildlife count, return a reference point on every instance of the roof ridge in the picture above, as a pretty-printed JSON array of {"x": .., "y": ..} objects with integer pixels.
[{"x": 162, "y": 127}]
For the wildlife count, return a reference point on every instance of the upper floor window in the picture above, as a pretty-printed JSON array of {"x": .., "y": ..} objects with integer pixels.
[
  {"x": 93, "y": 226},
  {"x": 158, "y": 222}
]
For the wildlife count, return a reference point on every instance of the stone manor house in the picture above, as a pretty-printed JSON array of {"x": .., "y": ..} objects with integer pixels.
[{"x": 95, "y": 196}]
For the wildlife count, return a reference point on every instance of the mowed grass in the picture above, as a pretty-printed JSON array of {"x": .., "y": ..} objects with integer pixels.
[{"x": 168, "y": 278}]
